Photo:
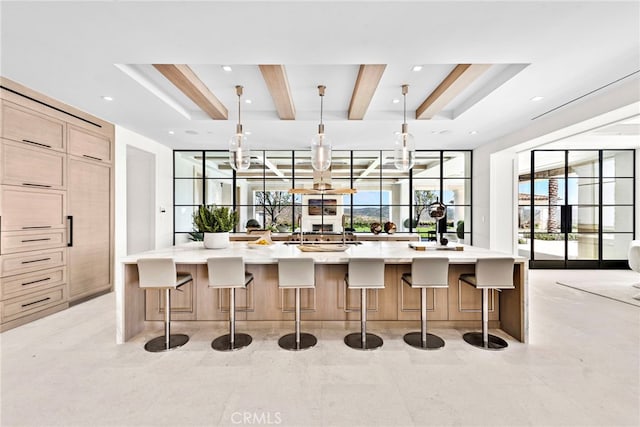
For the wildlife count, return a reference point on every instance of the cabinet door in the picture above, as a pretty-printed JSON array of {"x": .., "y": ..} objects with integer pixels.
[
  {"x": 24, "y": 125},
  {"x": 32, "y": 167},
  {"x": 88, "y": 145},
  {"x": 31, "y": 209},
  {"x": 89, "y": 262}
]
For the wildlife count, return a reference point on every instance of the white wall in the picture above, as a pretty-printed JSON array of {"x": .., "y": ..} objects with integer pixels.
[
  {"x": 619, "y": 102},
  {"x": 163, "y": 196}
]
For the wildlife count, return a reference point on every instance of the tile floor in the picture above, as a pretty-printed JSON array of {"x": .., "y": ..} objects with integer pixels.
[{"x": 581, "y": 368}]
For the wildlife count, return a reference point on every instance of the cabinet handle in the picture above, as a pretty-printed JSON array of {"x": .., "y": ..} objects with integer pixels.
[
  {"x": 36, "y": 143},
  {"x": 91, "y": 157},
  {"x": 36, "y": 185},
  {"x": 36, "y": 240},
  {"x": 35, "y": 302},
  {"x": 35, "y": 260},
  {"x": 36, "y": 281},
  {"x": 39, "y": 226},
  {"x": 70, "y": 220}
]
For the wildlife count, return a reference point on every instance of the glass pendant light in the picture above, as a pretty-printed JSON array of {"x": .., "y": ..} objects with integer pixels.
[
  {"x": 320, "y": 144},
  {"x": 239, "y": 153},
  {"x": 405, "y": 149}
]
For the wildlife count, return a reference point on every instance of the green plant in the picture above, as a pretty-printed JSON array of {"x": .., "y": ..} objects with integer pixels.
[
  {"x": 195, "y": 236},
  {"x": 212, "y": 219},
  {"x": 460, "y": 229}
]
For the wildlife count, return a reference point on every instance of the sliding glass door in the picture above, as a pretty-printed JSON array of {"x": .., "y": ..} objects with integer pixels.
[{"x": 577, "y": 207}]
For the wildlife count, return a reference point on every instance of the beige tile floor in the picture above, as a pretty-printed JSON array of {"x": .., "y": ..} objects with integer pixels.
[{"x": 581, "y": 368}]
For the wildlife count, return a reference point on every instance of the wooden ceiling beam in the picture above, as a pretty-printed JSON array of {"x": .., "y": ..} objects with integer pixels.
[
  {"x": 458, "y": 80},
  {"x": 188, "y": 83},
  {"x": 275, "y": 76},
  {"x": 367, "y": 82}
]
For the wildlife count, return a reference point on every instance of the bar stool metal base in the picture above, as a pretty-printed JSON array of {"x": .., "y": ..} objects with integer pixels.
[
  {"x": 223, "y": 343},
  {"x": 158, "y": 344},
  {"x": 288, "y": 342},
  {"x": 433, "y": 342},
  {"x": 354, "y": 341},
  {"x": 493, "y": 342}
]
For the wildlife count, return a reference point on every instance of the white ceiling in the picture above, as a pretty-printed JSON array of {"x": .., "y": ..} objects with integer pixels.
[{"x": 563, "y": 50}]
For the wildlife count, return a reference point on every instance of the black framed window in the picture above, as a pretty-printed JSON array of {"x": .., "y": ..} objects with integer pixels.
[{"x": 260, "y": 194}]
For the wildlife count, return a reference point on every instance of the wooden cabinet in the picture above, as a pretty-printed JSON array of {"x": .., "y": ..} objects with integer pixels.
[
  {"x": 17, "y": 285},
  {"x": 13, "y": 308},
  {"x": 23, "y": 241},
  {"x": 89, "y": 145},
  {"x": 24, "y": 165},
  {"x": 56, "y": 205},
  {"x": 26, "y": 125},
  {"x": 90, "y": 209},
  {"x": 32, "y": 261},
  {"x": 31, "y": 209}
]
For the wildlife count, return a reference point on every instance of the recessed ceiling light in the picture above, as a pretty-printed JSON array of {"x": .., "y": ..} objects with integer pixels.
[
  {"x": 473, "y": 132},
  {"x": 417, "y": 68},
  {"x": 171, "y": 132},
  {"x": 397, "y": 132},
  {"x": 537, "y": 98},
  {"x": 248, "y": 132},
  {"x": 227, "y": 68},
  {"x": 396, "y": 101},
  {"x": 248, "y": 101},
  {"x": 107, "y": 98}
]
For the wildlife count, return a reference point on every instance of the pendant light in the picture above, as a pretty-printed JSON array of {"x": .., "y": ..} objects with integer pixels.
[
  {"x": 320, "y": 145},
  {"x": 405, "y": 149},
  {"x": 239, "y": 153}
]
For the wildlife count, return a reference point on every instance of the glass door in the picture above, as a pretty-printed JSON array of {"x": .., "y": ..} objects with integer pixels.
[{"x": 576, "y": 208}]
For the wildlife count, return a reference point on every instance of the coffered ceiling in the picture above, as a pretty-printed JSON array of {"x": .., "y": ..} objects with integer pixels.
[{"x": 162, "y": 63}]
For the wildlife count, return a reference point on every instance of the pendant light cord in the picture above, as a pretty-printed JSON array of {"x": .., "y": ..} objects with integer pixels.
[{"x": 404, "y": 96}]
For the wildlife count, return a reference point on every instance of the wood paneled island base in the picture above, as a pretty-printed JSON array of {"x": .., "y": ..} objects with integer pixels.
[{"x": 457, "y": 306}]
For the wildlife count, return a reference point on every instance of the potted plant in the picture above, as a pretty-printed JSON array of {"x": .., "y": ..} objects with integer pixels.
[
  {"x": 460, "y": 231},
  {"x": 215, "y": 223}
]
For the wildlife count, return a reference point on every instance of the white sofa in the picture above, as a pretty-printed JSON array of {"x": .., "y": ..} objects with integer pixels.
[{"x": 634, "y": 260}]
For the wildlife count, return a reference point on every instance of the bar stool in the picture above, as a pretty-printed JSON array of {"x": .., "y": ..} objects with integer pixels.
[
  {"x": 297, "y": 273},
  {"x": 426, "y": 273},
  {"x": 363, "y": 274},
  {"x": 229, "y": 273},
  {"x": 160, "y": 273},
  {"x": 491, "y": 273}
]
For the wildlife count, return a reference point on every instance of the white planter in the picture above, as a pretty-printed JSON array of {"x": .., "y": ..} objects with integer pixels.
[{"x": 216, "y": 240}]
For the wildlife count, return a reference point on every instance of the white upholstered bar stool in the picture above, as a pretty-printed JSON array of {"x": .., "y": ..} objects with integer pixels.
[
  {"x": 229, "y": 273},
  {"x": 491, "y": 273},
  {"x": 363, "y": 274},
  {"x": 297, "y": 273},
  {"x": 426, "y": 273},
  {"x": 634, "y": 261},
  {"x": 160, "y": 273}
]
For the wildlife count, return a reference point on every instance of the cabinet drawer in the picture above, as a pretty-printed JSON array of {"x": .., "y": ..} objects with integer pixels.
[
  {"x": 89, "y": 145},
  {"x": 31, "y": 167},
  {"x": 24, "y": 125},
  {"x": 22, "y": 241},
  {"x": 27, "y": 304},
  {"x": 31, "y": 209},
  {"x": 26, "y": 283},
  {"x": 10, "y": 265}
]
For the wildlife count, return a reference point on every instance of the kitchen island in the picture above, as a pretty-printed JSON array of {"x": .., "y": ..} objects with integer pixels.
[{"x": 457, "y": 306}]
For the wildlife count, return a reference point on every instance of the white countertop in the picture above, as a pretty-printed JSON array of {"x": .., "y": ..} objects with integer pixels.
[{"x": 391, "y": 252}]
